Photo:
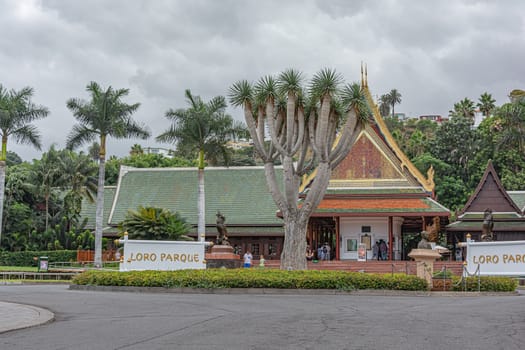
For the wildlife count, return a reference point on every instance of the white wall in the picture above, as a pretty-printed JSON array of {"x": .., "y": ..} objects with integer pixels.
[{"x": 350, "y": 229}]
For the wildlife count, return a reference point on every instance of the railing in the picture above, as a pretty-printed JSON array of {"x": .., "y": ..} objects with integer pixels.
[
  {"x": 466, "y": 274},
  {"x": 7, "y": 276}
]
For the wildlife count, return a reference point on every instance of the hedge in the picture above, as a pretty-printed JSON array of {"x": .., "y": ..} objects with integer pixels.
[
  {"x": 26, "y": 258},
  {"x": 487, "y": 284},
  {"x": 252, "y": 278}
]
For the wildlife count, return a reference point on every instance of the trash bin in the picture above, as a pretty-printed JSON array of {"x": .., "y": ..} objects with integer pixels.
[{"x": 43, "y": 264}]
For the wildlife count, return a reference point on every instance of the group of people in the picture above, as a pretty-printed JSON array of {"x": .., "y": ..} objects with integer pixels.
[
  {"x": 380, "y": 250},
  {"x": 248, "y": 257},
  {"x": 323, "y": 252}
]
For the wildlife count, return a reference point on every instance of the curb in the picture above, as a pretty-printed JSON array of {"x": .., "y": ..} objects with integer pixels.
[
  {"x": 19, "y": 316},
  {"x": 277, "y": 291}
]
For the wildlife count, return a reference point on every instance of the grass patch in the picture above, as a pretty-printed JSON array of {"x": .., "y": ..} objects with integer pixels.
[{"x": 19, "y": 268}]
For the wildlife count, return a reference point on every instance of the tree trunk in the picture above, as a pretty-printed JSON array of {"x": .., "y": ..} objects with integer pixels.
[
  {"x": 46, "y": 198},
  {"x": 100, "y": 211},
  {"x": 2, "y": 189},
  {"x": 201, "y": 227},
  {"x": 294, "y": 243}
]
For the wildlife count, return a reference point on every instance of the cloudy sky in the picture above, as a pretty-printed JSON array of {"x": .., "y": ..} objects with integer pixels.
[{"x": 434, "y": 52}]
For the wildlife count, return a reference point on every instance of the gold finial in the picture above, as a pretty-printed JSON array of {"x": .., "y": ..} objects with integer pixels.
[
  {"x": 366, "y": 75},
  {"x": 362, "y": 79}
]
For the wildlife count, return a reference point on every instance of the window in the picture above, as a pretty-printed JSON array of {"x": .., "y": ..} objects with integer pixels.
[
  {"x": 351, "y": 245},
  {"x": 366, "y": 229},
  {"x": 255, "y": 248}
]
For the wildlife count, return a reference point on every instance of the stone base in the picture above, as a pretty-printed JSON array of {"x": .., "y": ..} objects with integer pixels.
[
  {"x": 425, "y": 263},
  {"x": 221, "y": 249},
  {"x": 222, "y": 256},
  {"x": 223, "y": 263}
]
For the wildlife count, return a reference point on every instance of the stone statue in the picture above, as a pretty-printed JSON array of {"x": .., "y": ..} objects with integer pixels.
[
  {"x": 433, "y": 229},
  {"x": 424, "y": 243},
  {"x": 222, "y": 233},
  {"x": 488, "y": 224}
]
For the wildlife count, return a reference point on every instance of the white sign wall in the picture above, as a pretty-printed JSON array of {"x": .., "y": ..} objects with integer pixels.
[
  {"x": 496, "y": 258},
  {"x": 162, "y": 255}
]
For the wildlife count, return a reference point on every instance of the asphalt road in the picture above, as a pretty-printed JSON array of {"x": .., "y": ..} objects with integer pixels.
[{"x": 124, "y": 320}]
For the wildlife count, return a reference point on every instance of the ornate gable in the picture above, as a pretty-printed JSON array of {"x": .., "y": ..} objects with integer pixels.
[
  {"x": 490, "y": 194},
  {"x": 371, "y": 163},
  {"x": 375, "y": 160}
]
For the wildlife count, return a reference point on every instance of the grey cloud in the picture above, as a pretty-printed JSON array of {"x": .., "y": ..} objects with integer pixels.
[{"x": 434, "y": 52}]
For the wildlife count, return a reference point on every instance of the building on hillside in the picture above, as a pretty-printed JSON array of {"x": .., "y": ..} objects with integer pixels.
[
  {"x": 374, "y": 195},
  {"x": 507, "y": 207},
  {"x": 168, "y": 153},
  {"x": 433, "y": 117}
]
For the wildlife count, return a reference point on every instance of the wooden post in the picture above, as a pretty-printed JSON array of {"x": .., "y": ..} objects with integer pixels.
[{"x": 390, "y": 237}]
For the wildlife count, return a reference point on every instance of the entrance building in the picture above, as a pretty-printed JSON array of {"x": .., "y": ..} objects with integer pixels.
[{"x": 375, "y": 197}]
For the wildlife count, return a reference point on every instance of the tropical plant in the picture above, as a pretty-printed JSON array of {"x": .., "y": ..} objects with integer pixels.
[
  {"x": 457, "y": 144},
  {"x": 464, "y": 108},
  {"x": 303, "y": 125},
  {"x": 511, "y": 120},
  {"x": 105, "y": 115},
  {"x": 17, "y": 113},
  {"x": 203, "y": 128},
  {"x": 486, "y": 104},
  {"x": 384, "y": 105},
  {"x": 394, "y": 97},
  {"x": 46, "y": 177},
  {"x": 155, "y": 224},
  {"x": 136, "y": 149},
  {"x": 78, "y": 180}
]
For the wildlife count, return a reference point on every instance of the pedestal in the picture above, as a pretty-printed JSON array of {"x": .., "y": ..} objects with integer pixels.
[
  {"x": 425, "y": 263},
  {"x": 222, "y": 256}
]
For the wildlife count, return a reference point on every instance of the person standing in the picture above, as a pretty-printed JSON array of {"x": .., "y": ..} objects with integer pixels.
[
  {"x": 248, "y": 259},
  {"x": 262, "y": 260},
  {"x": 375, "y": 251},
  {"x": 383, "y": 250}
]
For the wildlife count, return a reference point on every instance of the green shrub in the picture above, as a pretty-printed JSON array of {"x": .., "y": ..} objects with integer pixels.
[
  {"x": 252, "y": 278},
  {"x": 487, "y": 284},
  {"x": 26, "y": 258},
  {"x": 442, "y": 274}
]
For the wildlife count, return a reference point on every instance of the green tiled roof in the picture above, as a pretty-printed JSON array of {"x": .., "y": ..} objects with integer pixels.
[
  {"x": 239, "y": 193},
  {"x": 518, "y": 197},
  {"x": 477, "y": 226},
  {"x": 89, "y": 209},
  {"x": 495, "y": 216}
]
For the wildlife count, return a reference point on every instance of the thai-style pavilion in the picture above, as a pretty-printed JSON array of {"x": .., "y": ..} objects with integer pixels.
[
  {"x": 507, "y": 207},
  {"x": 374, "y": 194}
]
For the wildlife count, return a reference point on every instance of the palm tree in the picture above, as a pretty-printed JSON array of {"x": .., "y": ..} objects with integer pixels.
[
  {"x": 486, "y": 104},
  {"x": 384, "y": 105},
  {"x": 204, "y": 128},
  {"x": 46, "y": 177},
  {"x": 78, "y": 178},
  {"x": 17, "y": 112},
  {"x": 94, "y": 151},
  {"x": 103, "y": 116},
  {"x": 395, "y": 98},
  {"x": 464, "y": 108},
  {"x": 135, "y": 150},
  {"x": 156, "y": 224},
  {"x": 512, "y": 119}
]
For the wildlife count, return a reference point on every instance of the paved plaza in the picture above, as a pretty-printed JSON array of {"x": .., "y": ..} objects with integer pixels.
[{"x": 124, "y": 320}]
